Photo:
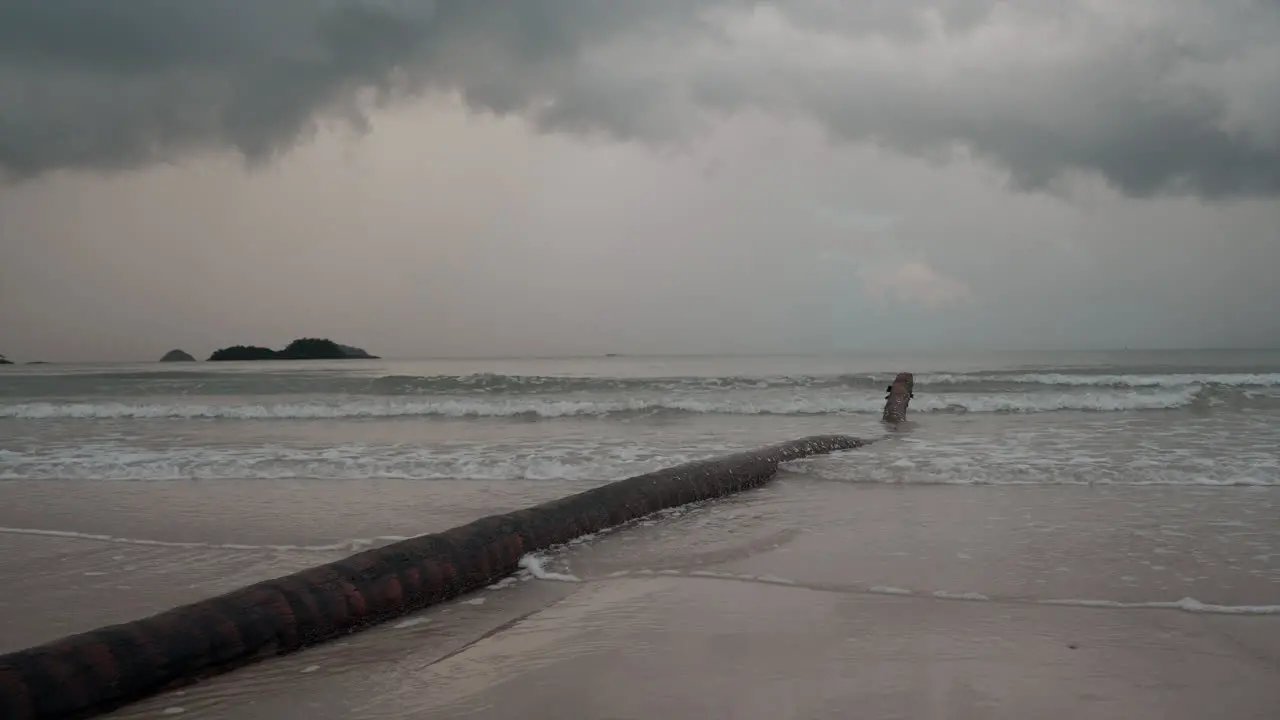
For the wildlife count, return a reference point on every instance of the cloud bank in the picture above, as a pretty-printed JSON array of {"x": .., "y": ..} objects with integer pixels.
[{"x": 1154, "y": 96}]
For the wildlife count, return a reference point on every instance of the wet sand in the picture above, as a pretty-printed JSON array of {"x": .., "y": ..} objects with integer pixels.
[{"x": 804, "y": 599}]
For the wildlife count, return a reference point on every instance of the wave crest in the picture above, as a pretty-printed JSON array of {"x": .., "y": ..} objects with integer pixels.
[
  {"x": 220, "y": 383},
  {"x": 1094, "y": 400}
]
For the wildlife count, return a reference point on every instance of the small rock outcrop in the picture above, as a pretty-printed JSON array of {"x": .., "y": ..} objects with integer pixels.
[
  {"x": 300, "y": 349},
  {"x": 177, "y": 356}
]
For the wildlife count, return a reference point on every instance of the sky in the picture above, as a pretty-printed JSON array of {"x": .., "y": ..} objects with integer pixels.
[{"x": 564, "y": 177}]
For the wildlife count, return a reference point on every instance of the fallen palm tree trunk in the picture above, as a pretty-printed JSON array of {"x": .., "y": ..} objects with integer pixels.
[
  {"x": 899, "y": 397},
  {"x": 93, "y": 672}
]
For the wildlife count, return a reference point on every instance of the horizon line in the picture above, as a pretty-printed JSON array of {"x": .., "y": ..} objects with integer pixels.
[{"x": 726, "y": 355}]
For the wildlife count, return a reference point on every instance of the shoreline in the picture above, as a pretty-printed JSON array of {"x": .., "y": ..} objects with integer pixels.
[
  {"x": 663, "y": 593},
  {"x": 897, "y": 529}
]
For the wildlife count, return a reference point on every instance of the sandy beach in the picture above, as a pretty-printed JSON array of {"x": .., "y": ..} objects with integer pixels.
[
  {"x": 949, "y": 323},
  {"x": 804, "y": 599}
]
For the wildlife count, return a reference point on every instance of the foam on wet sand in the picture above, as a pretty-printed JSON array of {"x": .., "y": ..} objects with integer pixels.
[{"x": 801, "y": 599}]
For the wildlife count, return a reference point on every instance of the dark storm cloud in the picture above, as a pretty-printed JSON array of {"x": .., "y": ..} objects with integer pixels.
[
  {"x": 110, "y": 84},
  {"x": 1166, "y": 96}
]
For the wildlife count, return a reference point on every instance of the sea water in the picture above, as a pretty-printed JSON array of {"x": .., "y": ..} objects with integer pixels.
[
  {"x": 1194, "y": 418},
  {"x": 1047, "y": 527}
]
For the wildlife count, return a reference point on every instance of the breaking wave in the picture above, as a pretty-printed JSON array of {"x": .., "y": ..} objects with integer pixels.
[
  {"x": 591, "y": 461},
  {"x": 1049, "y": 456},
  {"x": 215, "y": 383},
  {"x": 499, "y": 383},
  {"x": 760, "y": 403},
  {"x": 1163, "y": 380}
]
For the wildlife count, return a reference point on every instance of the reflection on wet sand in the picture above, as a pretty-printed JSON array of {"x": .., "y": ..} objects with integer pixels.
[
  {"x": 785, "y": 602},
  {"x": 679, "y": 647},
  {"x": 106, "y": 668}
]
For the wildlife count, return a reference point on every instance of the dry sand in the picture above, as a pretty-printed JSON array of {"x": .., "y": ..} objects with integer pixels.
[{"x": 787, "y": 602}]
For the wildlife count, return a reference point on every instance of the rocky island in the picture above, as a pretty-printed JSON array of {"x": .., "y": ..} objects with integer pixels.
[
  {"x": 5, "y": 361},
  {"x": 300, "y": 349},
  {"x": 177, "y": 356}
]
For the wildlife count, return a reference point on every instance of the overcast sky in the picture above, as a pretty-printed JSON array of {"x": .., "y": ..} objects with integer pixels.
[{"x": 493, "y": 177}]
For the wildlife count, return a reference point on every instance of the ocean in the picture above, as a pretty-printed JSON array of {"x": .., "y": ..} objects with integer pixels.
[
  {"x": 1030, "y": 482},
  {"x": 1128, "y": 418}
]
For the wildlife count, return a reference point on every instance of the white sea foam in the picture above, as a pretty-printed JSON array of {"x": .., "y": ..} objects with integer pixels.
[
  {"x": 594, "y": 460},
  {"x": 1075, "y": 454},
  {"x": 534, "y": 564},
  {"x": 35, "y": 383},
  {"x": 973, "y": 471},
  {"x": 1164, "y": 380},
  {"x": 1208, "y": 453},
  {"x": 1186, "y": 604},
  {"x": 949, "y": 595},
  {"x": 843, "y": 402}
]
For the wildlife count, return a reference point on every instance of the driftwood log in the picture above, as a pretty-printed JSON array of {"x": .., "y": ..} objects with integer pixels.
[{"x": 97, "y": 671}]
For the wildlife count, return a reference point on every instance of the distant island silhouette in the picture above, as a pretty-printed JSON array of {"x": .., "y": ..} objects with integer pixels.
[
  {"x": 177, "y": 356},
  {"x": 5, "y": 361},
  {"x": 300, "y": 349}
]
